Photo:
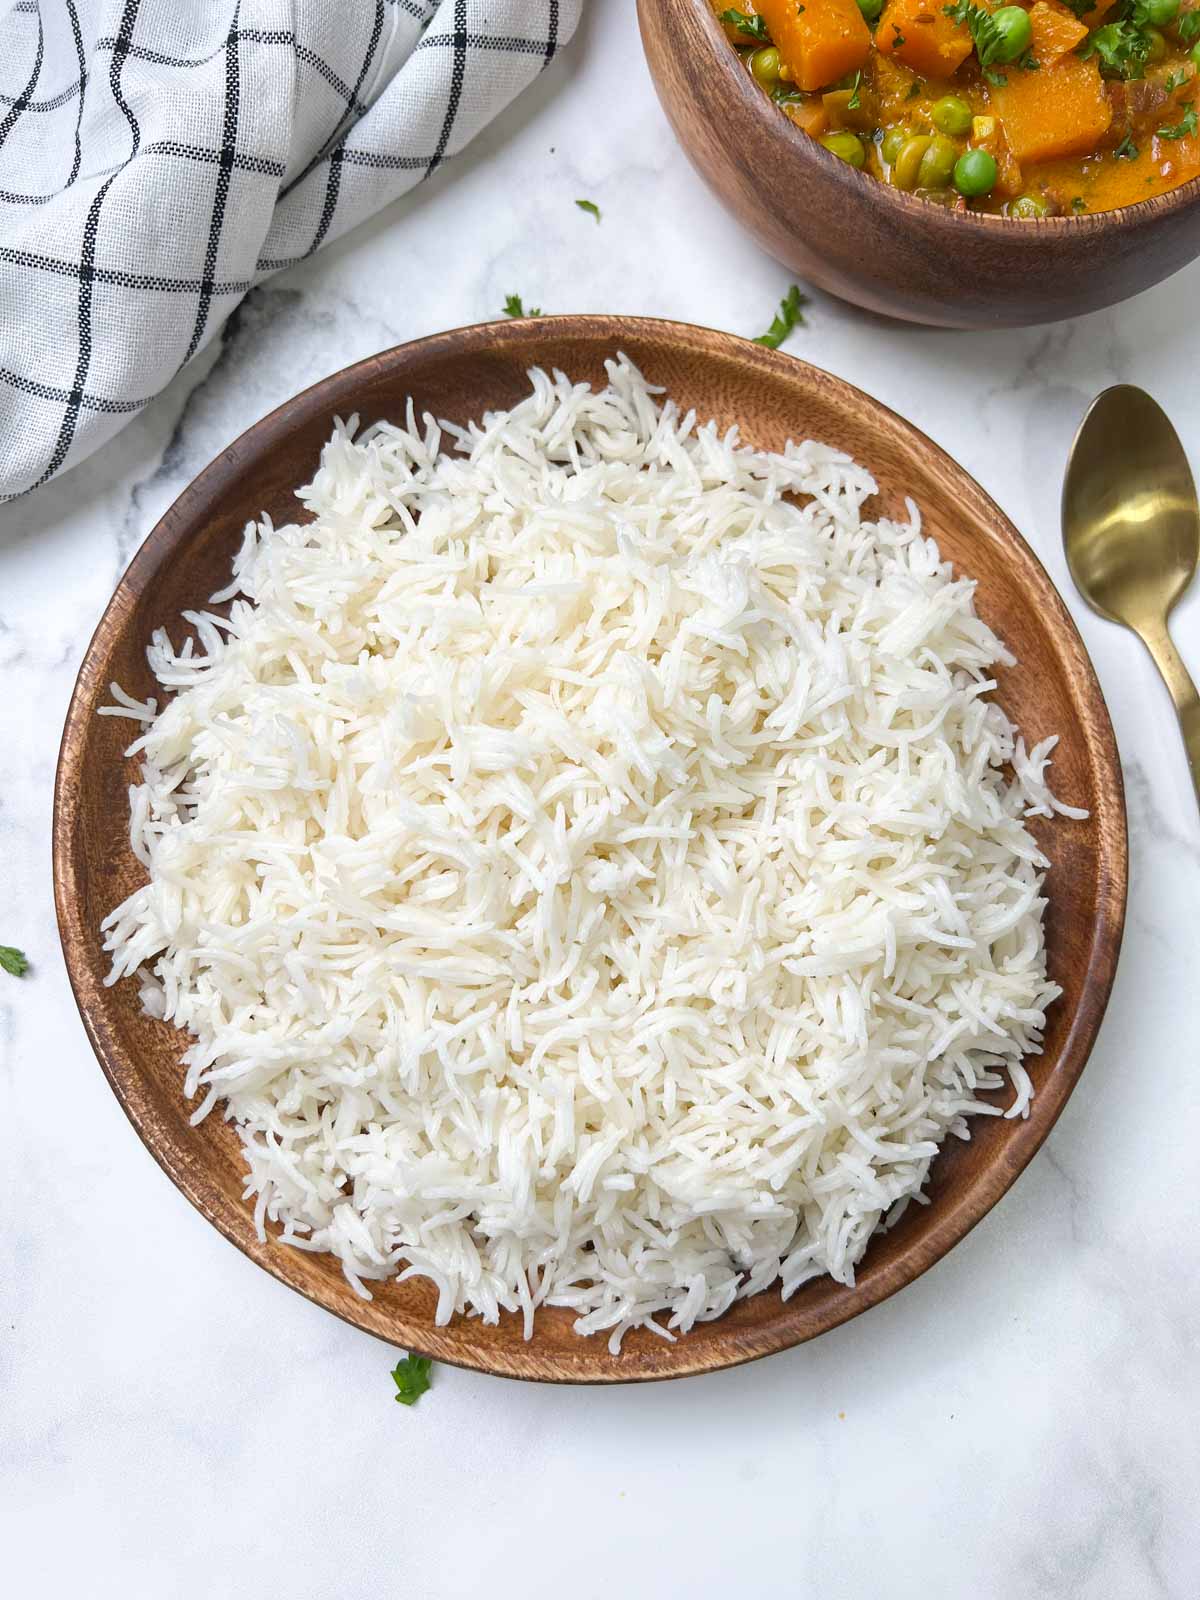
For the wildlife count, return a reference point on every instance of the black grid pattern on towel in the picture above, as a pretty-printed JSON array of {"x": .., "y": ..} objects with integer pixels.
[{"x": 187, "y": 291}]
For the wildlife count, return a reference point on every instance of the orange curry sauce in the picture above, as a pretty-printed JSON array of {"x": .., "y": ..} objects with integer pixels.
[{"x": 1099, "y": 111}]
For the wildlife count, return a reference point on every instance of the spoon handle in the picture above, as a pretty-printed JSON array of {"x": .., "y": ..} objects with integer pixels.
[{"x": 1183, "y": 692}]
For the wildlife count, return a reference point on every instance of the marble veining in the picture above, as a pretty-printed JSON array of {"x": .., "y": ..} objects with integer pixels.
[{"x": 1019, "y": 1423}]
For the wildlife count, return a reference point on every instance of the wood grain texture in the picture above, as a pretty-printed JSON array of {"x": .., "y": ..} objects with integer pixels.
[
  {"x": 772, "y": 397},
  {"x": 860, "y": 239}
]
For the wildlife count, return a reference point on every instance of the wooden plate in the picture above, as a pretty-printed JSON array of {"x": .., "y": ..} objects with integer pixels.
[{"x": 772, "y": 398}]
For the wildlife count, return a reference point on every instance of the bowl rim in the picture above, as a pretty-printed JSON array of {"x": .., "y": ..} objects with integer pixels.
[
  {"x": 464, "y": 1341},
  {"x": 1135, "y": 216}
]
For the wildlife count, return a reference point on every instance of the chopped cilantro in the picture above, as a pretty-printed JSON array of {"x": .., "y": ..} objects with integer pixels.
[
  {"x": 990, "y": 39},
  {"x": 751, "y": 24},
  {"x": 1174, "y": 82},
  {"x": 1183, "y": 129},
  {"x": 1078, "y": 203},
  {"x": 790, "y": 315},
  {"x": 898, "y": 40},
  {"x": 914, "y": 89},
  {"x": 1188, "y": 27},
  {"x": 591, "y": 206},
  {"x": 1123, "y": 48},
  {"x": 1126, "y": 150},
  {"x": 855, "y": 100},
  {"x": 411, "y": 1377},
  {"x": 13, "y": 960},
  {"x": 514, "y": 308}
]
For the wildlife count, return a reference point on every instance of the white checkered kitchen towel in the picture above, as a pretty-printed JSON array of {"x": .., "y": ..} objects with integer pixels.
[{"x": 159, "y": 157}]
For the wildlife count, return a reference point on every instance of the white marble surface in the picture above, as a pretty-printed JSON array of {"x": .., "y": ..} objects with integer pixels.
[{"x": 1021, "y": 1422}]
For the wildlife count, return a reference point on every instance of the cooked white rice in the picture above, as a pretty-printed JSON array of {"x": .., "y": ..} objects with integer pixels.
[{"x": 589, "y": 875}]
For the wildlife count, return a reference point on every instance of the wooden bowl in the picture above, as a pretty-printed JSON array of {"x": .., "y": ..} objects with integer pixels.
[
  {"x": 771, "y": 397},
  {"x": 859, "y": 238}
]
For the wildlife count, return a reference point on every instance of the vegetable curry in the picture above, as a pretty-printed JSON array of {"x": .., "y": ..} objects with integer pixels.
[{"x": 1031, "y": 110}]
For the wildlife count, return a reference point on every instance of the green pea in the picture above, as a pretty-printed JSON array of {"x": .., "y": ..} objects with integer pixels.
[
  {"x": 846, "y": 146},
  {"x": 1160, "y": 12},
  {"x": 1027, "y": 206},
  {"x": 907, "y": 165},
  {"x": 893, "y": 142},
  {"x": 975, "y": 172},
  {"x": 1156, "y": 43},
  {"x": 870, "y": 9},
  {"x": 951, "y": 115},
  {"x": 765, "y": 64},
  {"x": 1014, "y": 31},
  {"x": 937, "y": 164}
]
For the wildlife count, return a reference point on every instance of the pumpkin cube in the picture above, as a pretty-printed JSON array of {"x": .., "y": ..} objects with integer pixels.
[
  {"x": 819, "y": 41},
  {"x": 919, "y": 33},
  {"x": 1056, "y": 31},
  {"x": 1059, "y": 111}
]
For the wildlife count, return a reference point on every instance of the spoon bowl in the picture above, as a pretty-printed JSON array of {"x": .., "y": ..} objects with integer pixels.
[
  {"x": 1131, "y": 510},
  {"x": 1131, "y": 528}
]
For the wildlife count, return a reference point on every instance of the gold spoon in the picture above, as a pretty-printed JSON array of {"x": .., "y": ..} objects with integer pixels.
[{"x": 1131, "y": 529}]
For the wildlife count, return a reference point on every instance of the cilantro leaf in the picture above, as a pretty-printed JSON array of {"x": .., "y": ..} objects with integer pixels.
[
  {"x": 989, "y": 38},
  {"x": 1123, "y": 48},
  {"x": 514, "y": 308},
  {"x": 1183, "y": 128},
  {"x": 1126, "y": 150},
  {"x": 789, "y": 316},
  {"x": 1174, "y": 81},
  {"x": 411, "y": 1377},
  {"x": 1188, "y": 27},
  {"x": 589, "y": 205},
  {"x": 752, "y": 25},
  {"x": 13, "y": 960},
  {"x": 855, "y": 100}
]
